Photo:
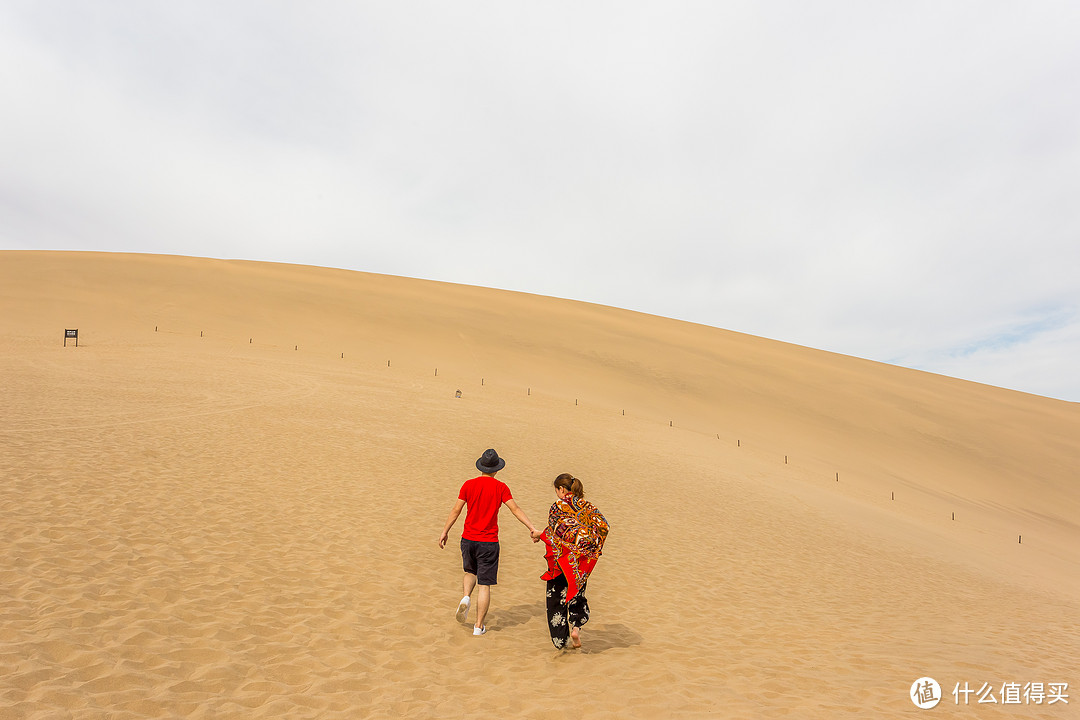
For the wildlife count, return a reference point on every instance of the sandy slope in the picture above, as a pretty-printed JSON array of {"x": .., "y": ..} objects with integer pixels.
[{"x": 243, "y": 524}]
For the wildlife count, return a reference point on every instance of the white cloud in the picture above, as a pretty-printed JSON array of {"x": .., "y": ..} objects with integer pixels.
[{"x": 888, "y": 181}]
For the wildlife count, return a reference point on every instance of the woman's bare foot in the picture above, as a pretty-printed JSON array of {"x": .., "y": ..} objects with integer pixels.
[{"x": 575, "y": 637}]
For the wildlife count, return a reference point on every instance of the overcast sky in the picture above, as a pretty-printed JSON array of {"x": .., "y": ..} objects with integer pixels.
[{"x": 898, "y": 181}]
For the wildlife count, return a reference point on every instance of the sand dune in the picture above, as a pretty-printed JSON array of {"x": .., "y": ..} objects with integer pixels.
[{"x": 225, "y": 503}]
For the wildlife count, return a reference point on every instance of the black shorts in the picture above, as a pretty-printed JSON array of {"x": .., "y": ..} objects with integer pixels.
[{"x": 482, "y": 560}]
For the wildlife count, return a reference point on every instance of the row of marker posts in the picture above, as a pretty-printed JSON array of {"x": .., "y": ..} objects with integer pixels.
[
  {"x": 671, "y": 423},
  {"x": 892, "y": 494}
]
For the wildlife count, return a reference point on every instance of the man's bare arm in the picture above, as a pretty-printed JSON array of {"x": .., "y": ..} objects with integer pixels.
[
  {"x": 520, "y": 515},
  {"x": 454, "y": 513}
]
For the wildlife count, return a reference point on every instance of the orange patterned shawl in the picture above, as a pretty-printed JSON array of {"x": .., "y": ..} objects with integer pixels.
[{"x": 574, "y": 539}]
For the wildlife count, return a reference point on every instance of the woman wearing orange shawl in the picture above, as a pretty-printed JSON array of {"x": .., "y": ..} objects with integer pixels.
[{"x": 574, "y": 539}]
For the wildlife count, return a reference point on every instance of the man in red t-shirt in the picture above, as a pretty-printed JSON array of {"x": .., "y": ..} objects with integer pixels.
[{"x": 484, "y": 496}]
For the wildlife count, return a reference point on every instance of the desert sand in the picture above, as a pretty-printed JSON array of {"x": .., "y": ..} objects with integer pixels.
[{"x": 226, "y": 501}]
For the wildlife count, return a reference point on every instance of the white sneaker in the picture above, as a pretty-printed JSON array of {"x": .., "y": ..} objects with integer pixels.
[
  {"x": 463, "y": 609},
  {"x": 479, "y": 630}
]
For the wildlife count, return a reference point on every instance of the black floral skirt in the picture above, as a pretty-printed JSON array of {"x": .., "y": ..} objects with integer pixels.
[{"x": 563, "y": 616}]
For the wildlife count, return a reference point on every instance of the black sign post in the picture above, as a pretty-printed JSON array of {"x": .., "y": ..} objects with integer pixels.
[{"x": 71, "y": 335}]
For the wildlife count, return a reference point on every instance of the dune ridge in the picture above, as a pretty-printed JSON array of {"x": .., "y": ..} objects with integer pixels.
[{"x": 224, "y": 503}]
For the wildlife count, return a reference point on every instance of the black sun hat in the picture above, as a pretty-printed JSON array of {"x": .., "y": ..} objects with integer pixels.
[{"x": 490, "y": 462}]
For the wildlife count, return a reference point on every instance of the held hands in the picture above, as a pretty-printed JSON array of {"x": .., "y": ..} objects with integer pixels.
[{"x": 534, "y": 534}]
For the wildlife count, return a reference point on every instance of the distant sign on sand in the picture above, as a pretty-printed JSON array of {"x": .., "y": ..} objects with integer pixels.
[{"x": 71, "y": 335}]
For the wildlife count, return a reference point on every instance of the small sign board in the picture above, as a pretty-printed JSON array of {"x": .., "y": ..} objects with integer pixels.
[{"x": 71, "y": 335}]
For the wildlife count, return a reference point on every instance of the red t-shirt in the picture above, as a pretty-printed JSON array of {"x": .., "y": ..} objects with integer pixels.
[{"x": 483, "y": 496}]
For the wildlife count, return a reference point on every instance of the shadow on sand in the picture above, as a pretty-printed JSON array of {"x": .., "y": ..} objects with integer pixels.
[
  {"x": 596, "y": 638},
  {"x": 600, "y": 638},
  {"x": 518, "y": 615}
]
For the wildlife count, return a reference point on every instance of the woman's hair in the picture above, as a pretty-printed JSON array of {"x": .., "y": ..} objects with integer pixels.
[{"x": 566, "y": 481}]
